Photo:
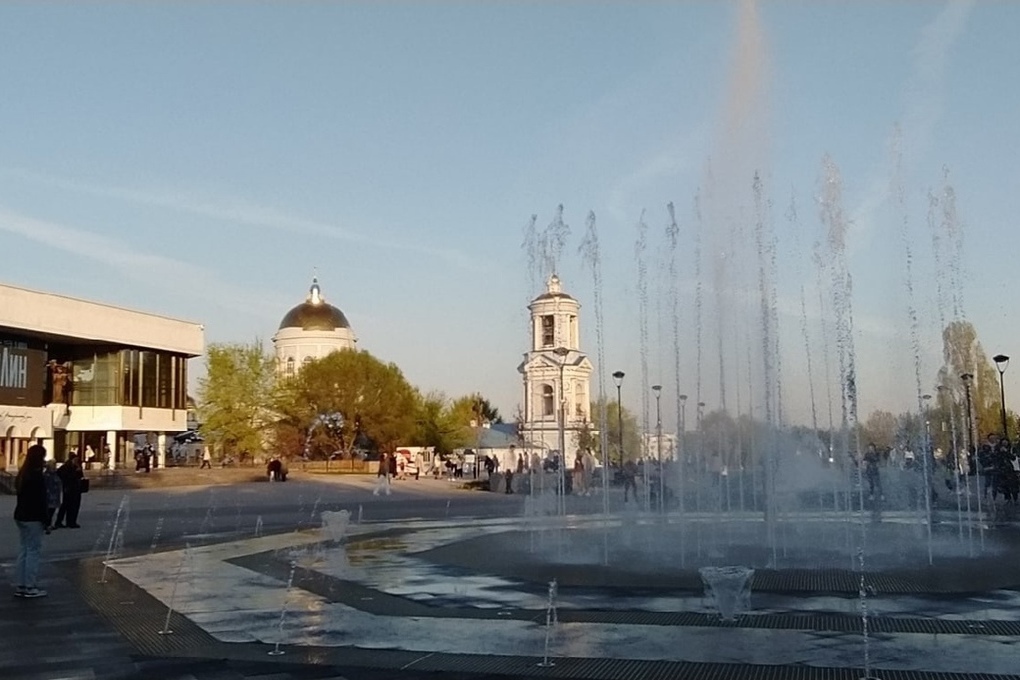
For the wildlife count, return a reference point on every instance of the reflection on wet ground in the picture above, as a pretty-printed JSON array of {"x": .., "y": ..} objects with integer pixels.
[{"x": 238, "y": 605}]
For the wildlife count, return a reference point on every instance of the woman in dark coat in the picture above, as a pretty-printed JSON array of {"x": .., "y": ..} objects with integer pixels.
[
  {"x": 31, "y": 516},
  {"x": 71, "y": 476}
]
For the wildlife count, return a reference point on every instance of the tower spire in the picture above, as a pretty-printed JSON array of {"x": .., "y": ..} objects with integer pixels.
[{"x": 315, "y": 293}]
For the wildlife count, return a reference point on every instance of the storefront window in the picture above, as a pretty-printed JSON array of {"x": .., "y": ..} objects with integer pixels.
[
  {"x": 150, "y": 379},
  {"x": 129, "y": 382},
  {"x": 164, "y": 386},
  {"x": 96, "y": 379}
]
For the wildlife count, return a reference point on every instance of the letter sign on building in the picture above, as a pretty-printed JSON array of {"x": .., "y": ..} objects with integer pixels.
[{"x": 22, "y": 372}]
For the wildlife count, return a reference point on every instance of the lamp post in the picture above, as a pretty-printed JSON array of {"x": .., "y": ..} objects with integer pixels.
[
  {"x": 969, "y": 440},
  {"x": 618, "y": 379},
  {"x": 967, "y": 378},
  {"x": 926, "y": 398},
  {"x": 682, "y": 458},
  {"x": 1001, "y": 362},
  {"x": 658, "y": 444},
  {"x": 562, "y": 353},
  {"x": 683, "y": 415}
]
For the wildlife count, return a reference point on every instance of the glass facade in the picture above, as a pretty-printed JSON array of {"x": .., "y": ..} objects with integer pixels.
[{"x": 129, "y": 377}]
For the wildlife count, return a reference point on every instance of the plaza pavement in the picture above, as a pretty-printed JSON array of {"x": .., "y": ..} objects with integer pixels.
[
  {"x": 70, "y": 634},
  {"x": 62, "y": 636}
]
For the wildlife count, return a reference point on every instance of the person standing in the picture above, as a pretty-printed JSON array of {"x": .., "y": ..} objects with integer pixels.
[
  {"x": 30, "y": 516},
  {"x": 71, "y": 477},
  {"x": 872, "y": 474},
  {"x": 53, "y": 492},
  {"x": 382, "y": 474}
]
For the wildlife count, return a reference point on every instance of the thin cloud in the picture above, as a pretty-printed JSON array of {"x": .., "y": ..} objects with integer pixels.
[
  {"x": 923, "y": 100},
  {"x": 182, "y": 277},
  {"x": 244, "y": 213}
]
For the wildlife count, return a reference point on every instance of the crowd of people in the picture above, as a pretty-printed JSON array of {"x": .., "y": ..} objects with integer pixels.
[
  {"x": 995, "y": 462},
  {"x": 46, "y": 492}
]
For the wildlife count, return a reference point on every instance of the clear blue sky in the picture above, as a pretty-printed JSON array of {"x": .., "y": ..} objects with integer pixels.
[{"x": 199, "y": 159}]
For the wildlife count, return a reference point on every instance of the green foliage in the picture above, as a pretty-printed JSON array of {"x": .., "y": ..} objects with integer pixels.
[
  {"x": 375, "y": 401},
  {"x": 437, "y": 425},
  {"x": 963, "y": 353},
  {"x": 235, "y": 395},
  {"x": 879, "y": 429},
  {"x": 475, "y": 407},
  {"x": 631, "y": 432}
]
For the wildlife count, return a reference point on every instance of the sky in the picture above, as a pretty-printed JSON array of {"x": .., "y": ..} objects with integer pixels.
[{"x": 202, "y": 160}]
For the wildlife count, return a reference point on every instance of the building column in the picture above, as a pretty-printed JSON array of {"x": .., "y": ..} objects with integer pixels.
[
  {"x": 161, "y": 450},
  {"x": 111, "y": 441},
  {"x": 48, "y": 443}
]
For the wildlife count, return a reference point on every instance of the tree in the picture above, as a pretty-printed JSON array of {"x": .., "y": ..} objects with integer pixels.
[
  {"x": 963, "y": 353},
  {"x": 631, "y": 432},
  {"x": 880, "y": 429},
  {"x": 437, "y": 425},
  {"x": 373, "y": 398},
  {"x": 235, "y": 396},
  {"x": 475, "y": 407}
]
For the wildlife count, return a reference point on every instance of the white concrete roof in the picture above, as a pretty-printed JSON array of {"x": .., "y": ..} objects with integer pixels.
[{"x": 59, "y": 315}]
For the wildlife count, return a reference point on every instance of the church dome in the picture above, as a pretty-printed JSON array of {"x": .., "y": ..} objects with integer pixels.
[
  {"x": 553, "y": 291},
  {"x": 315, "y": 314}
]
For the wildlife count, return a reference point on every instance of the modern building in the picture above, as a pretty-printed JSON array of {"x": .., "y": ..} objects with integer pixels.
[
  {"x": 556, "y": 374},
  {"x": 309, "y": 331},
  {"x": 89, "y": 376}
]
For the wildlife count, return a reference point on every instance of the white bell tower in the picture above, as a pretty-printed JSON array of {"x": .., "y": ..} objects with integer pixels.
[{"x": 557, "y": 374}]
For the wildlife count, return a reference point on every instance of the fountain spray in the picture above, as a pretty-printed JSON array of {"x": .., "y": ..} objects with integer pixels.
[{"x": 589, "y": 249}]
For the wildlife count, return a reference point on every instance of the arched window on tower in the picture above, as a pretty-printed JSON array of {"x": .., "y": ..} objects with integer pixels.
[
  {"x": 307, "y": 360},
  {"x": 290, "y": 367},
  {"x": 548, "y": 330},
  {"x": 548, "y": 401}
]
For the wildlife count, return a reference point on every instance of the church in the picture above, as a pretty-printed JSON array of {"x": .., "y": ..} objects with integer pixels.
[
  {"x": 310, "y": 331},
  {"x": 556, "y": 375}
]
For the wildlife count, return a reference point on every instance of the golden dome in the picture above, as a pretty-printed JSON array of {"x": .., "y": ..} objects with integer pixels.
[{"x": 315, "y": 314}]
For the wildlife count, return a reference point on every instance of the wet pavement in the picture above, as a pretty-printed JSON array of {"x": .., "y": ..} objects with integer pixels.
[
  {"x": 237, "y": 592},
  {"x": 410, "y": 598}
]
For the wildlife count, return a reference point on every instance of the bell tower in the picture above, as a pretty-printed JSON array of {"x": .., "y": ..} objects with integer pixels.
[{"x": 556, "y": 374}]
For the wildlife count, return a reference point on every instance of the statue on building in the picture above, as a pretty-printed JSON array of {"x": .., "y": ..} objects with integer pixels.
[{"x": 60, "y": 378}]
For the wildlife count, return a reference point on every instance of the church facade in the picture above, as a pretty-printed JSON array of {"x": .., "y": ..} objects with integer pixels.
[
  {"x": 310, "y": 331},
  {"x": 556, "y": 375}
]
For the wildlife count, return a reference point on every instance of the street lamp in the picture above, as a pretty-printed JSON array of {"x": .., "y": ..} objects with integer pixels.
[
  {"x": 966, "y": 378},
  {"x": 658, "y": 444},
  {"x": 618, "y": 379},
  {"x": 974, "y": 468},
  {"x": 562, "y": 353},
  {"x": 1001, "y": 362},
  {"x": 929, "y": 446},
  {"x": 683, "y": 428}
]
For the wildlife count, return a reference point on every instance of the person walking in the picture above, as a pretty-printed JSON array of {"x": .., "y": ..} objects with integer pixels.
[
  {"x": 71, "y": 477},
  {"x": 30, "y": 516},
  {"x": 382, "y": 484},
  {"x": 629, "y": 480},
  {"x": 206, "y": 460}
]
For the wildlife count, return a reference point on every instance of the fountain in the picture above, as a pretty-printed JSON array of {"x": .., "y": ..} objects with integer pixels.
[
  {"x": 758, "y": 499},
  {"x": 729, "y": 589}
]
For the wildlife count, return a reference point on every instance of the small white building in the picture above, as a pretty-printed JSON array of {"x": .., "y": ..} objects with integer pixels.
[
  {"x": 651, "y": 445},
  {"x": 310, "y": 331},
  {"x": 556, "y": 374}
]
